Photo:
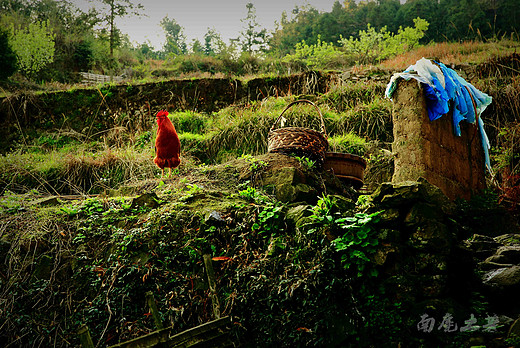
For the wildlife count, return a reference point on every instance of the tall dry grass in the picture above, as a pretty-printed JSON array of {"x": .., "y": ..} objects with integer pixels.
[
  {"x": 458, "y": 53},
  {"x": 79, "y": 173}
]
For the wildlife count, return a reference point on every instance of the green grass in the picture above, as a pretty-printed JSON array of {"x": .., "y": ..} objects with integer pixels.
[
  {"x": 71, "y": 164},
  {"x": 190, "y": 122},
  {"x": 372, "y": 120},
  {"x": 348, "y": 143}
]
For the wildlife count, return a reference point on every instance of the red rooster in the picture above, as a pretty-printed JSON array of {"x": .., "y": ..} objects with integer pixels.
[{"x": 167, "y": 144}]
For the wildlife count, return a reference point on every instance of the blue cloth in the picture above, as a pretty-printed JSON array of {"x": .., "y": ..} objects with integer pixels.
[{"x": 444, "y": 88}]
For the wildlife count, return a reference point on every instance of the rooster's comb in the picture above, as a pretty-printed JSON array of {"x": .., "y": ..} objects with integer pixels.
[{"x": 162, "y": 113}]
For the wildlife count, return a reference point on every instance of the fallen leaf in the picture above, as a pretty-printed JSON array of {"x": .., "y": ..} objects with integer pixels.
[{"x": 303, "y": 329}]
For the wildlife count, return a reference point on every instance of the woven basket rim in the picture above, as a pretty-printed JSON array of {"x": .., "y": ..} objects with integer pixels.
[
  {"x": 296, "y": 130},
  {"x": 323, "y": 130}
]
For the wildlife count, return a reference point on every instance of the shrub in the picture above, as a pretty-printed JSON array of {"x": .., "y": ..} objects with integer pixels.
[
  {"x": 322, "y": 55},
  {"x": 34, "y": 46},
  {"x": 373, "y": 46},
  {"x": 185, "y": 64}
]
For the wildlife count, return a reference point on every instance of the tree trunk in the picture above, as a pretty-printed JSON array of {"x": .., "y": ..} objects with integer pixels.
[{"x": 112, "y": 29}]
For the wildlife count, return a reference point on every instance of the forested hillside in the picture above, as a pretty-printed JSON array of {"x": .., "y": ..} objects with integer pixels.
[{"x": 54, "y": 40}]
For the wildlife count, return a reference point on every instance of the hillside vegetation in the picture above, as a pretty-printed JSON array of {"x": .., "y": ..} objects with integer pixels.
[{"x": 88, "y": 226}]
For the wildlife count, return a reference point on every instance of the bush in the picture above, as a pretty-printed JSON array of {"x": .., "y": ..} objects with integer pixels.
[
  {"x": 194, "y": 63},
  {"x": 322, "y": 55},
  {"x": 83, "y": 55},
  {"x": 373, "y": 46},
  {"x": 34, "y": 46}
]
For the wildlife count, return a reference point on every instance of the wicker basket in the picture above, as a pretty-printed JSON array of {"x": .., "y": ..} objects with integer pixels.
[{"x": 299, "y": 140}]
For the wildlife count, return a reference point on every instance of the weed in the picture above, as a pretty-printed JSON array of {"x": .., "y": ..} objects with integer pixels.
[
  {"x": 76, "y": 172},
  {"x": 196, "y": 145},
  {"x": 268, "y": 219},
  {"x": 253, "y": 194},
  {"x": 70, "y": 210},
  {"x": 255, "y": 163},
  {"x": 363, "y": 202},
  {"x": 306, "y": 162},
  {"x": 190, "y": 122},
  {"x": 357, "y": 243},
  {"x": 354, "y": 237},
  {"x": 193, "y": 190},
  {"x": 143, "y": 140},
  {"x": 513, "y": 341}
]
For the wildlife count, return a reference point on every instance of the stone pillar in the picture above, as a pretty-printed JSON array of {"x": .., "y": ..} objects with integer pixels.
[{"x": 431, "y": 150}]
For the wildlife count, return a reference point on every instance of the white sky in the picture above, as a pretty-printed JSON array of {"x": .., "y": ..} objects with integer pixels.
[{"x": 196, "y": 16}]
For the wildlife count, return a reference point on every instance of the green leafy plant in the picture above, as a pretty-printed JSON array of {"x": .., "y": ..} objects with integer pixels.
[
  {"x": 322, "y": 55},
  {"x": 270, "y": 211},
  {"x": 363, "y": 201},
  {"x": 190, "y": 122},
  {"x": 357, "y": 243},
  {"x": 69, "y": 210},
  {"x": 268, "y": 218},
  {"x": 373, "y": 46},
  {"x": 306, "y": 162},
  {"x": 92, "y": 206},
  {"x": 354, "y": 236},
  {"x": 192, "y": 191},
  {"x": 254, "y": 195},
  {"x": 79, "y": 238},
  {"x": 255, "y": 163},
  {"x": 513, "y": 341},
  {"x": 143, "y": 140}
]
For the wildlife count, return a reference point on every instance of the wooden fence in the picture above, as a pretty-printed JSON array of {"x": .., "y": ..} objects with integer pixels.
[{"x": 95, "y": 79}]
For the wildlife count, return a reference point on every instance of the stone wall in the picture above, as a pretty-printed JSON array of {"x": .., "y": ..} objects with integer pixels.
[{"x": 429, "y": 149}]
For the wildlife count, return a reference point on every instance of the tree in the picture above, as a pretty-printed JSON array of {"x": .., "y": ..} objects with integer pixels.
[
  {"x": 464, "y": 19},
  {"x": 7, "y": 56},
  {"x": 213, "y": 43},
  {"x": 302, "y": 27},
  {"x": 115, "y": 9},
  {"x": 175, "y": 39},
  {"x": 373, "y": 46},
  {"x": 383, "y": 14},
  {"x": 505, "y": 16},
  {"x": 253, "y": 39},
  {"x": 34, "y": 46},
  {"x": 196, "y": 47},
  {"x": 426, "y": 9},
  {"x": 82, "y": 55},
  {"x": 146, "y": 50}
]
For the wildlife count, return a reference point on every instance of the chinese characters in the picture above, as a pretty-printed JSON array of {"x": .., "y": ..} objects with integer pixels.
[{"x": 447, "y": 324}]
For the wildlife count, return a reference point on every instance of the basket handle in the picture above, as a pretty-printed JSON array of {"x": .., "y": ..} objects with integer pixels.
[{"x": 301, "y": 101}]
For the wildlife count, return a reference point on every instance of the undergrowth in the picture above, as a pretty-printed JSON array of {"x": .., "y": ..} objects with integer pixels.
[{"x": 95, "y": 260}]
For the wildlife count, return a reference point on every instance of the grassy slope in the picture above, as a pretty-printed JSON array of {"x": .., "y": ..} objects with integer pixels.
[{"x": 90, "y": 261}]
